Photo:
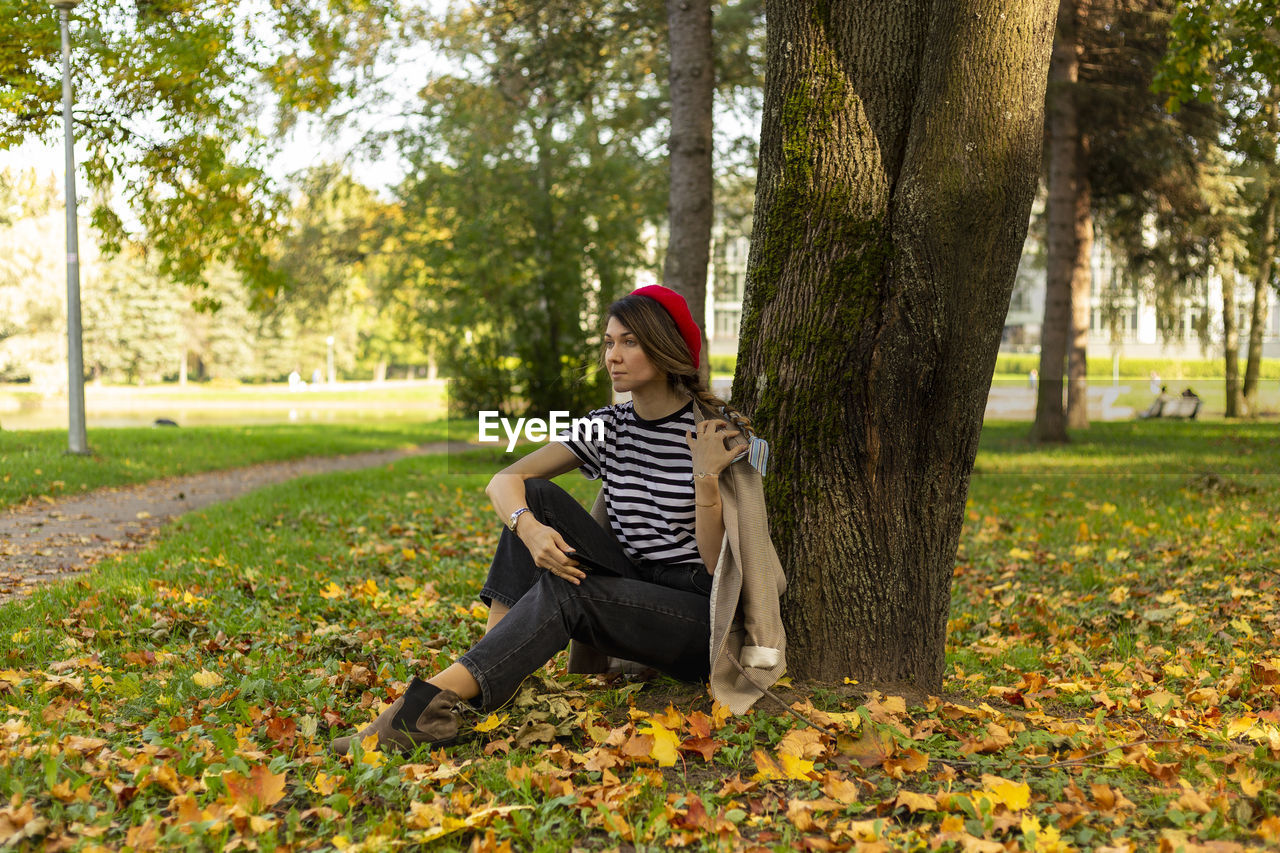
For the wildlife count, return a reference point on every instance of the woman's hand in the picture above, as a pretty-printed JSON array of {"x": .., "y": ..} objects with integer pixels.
[
  {"x": 710, "y": 455},
  {"x": 549, "y": 549}
]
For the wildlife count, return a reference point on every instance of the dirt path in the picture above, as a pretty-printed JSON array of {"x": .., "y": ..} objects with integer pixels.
[{"x": 45, "y": 541}]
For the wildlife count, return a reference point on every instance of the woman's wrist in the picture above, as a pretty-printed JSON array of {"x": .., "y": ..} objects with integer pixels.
[{"x": 706, "y": 492}]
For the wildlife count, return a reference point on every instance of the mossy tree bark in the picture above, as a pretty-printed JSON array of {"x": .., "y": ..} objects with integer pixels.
[
  {"x": 1069, "y": 219},
  {"x": 899, "y": 151},
  {"x": 692, "y": 82},
  {"x": 1231, "y": 345}
]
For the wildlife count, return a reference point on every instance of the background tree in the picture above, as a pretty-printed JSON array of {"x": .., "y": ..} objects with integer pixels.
[
  {"x": 32, "y": 290},
  {"x": 1227, "y": 53},
  {"x": 690, "y": 206},
  {"x": 1069, "y": 245},
  {"x": 532, "y": 176},
  {"x": 1130, "y": 173},
  {"x": 891, "y": 209},
  {"x": 173, "y": 109}
]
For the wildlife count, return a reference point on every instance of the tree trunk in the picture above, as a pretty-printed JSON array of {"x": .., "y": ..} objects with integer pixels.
[
  {"x": 1258, "y": 316},
  {"x": 892, "y": 203},
  {"x": 690, "y": 209},
  {"x": 1081, "y": 288},
  {"x": 1062, "y": 251},
  {"x": 1231, "y": 345},
  {"x": 1262, "y": 274}
]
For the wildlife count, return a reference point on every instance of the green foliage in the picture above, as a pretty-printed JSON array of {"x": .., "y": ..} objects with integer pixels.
[
  {"x": 1224, "y": 55},
  {"x": 532, "y": 178},
  {"x": 169, "y": 102},
  {"x": 1160, "y": 189},
  {"x": 32, "y": 278}
]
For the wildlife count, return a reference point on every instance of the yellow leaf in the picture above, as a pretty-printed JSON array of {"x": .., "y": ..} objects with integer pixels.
[
  {"x": 205, "y": 678},
  {"x": 1249, "y": 783},
  {"x": 408, "y": 553},
  {"x": 666, "y": 744},
  {"x": 1020, "y": 554},
  {"x": 1015, "y": 795},
  {"x": 766, "y": 768},
  {"x": 332, "y": 591},
  {"x": 491, "y": 722},
  {"x": 324, "y": 784},
  {"x": 794, "y": 767}
]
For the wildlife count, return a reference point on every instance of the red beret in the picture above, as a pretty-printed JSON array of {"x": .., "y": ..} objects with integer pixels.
[{"x": 679, "y": 310}]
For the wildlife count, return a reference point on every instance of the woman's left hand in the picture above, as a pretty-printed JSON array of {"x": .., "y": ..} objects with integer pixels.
[{"x": 710, "y": 454}]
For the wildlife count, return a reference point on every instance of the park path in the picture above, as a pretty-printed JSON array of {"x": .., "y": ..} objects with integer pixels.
[{"x": 41, "y": 542}]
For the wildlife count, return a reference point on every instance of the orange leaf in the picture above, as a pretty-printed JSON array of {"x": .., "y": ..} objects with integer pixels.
[
  {"x": 912, "y": 761},
  {"x": 802, "y": 743},
  {"x": 699, "y": 724},
  {"x": 704, "y": 746},
  {"x": 670, "y": 718},
  {"x": 870, "y": 749},
  {"x": 260, "y": 790},
  {"x": 841, "y": 790}
]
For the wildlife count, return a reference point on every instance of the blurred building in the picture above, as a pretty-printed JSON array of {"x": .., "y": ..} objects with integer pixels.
[{"x": 1122, "y": 322}]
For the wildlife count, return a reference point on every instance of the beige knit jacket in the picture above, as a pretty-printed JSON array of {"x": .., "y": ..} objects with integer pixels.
[{"x": 748, "y": 644}]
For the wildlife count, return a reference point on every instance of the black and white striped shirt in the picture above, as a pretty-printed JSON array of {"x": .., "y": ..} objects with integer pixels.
[{"x": 647, "y": 469}]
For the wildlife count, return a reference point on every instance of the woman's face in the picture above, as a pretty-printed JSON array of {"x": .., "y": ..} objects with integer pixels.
[{"x": 629, "y": 368}]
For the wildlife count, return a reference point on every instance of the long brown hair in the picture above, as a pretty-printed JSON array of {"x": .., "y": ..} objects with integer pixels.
[{"x": 658, "y": 336}]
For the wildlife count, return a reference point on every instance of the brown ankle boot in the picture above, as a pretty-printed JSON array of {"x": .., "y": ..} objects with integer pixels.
[{"x": 423, "y": 715}]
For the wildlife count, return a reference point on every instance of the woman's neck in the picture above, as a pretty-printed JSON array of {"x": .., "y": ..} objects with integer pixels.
[{"x": 656, "y": 401}]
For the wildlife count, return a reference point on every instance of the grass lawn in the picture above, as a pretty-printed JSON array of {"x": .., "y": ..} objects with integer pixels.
[
  {"x": 1114, "y": 681},
  {"x": 34, "y": 463}
]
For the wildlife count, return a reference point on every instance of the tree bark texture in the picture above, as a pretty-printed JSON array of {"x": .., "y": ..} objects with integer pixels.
[
  {"x": 900, "y": 145},
  {"x": 692, "y": 83},
  {"x": 1231, "y": 345},
  {"x": 1258, "y": 316},
  {"x": 1062, "y": 251}
]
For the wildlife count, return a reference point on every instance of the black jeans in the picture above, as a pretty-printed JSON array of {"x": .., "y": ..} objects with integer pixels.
[{"x": 653, "y": 614}]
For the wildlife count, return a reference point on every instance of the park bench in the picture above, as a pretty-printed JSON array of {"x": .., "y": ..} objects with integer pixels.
[
  {"x": 1174, "y": 407},
  {"x": 1181, "y": 407}
]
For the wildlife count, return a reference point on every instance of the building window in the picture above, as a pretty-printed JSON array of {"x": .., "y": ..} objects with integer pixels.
[
  {"x": 1020, "y": 301},
  {"x": 727, "y": 322}
]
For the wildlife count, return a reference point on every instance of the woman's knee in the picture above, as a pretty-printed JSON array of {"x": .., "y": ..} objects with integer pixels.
[{"x": 539, "y": 493}]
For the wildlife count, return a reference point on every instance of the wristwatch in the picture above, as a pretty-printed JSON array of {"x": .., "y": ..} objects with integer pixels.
[{"x": 511, "y": 522}]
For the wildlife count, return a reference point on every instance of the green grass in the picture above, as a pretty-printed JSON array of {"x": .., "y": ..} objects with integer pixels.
[
  {"x": 1116, "y": 590},
  {"x": 35, "y": 463}
]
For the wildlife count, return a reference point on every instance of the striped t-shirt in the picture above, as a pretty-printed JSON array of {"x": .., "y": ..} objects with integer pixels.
[{"x": 647, "y": 469}]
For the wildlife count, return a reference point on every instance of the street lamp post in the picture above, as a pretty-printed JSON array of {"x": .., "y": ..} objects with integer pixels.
[
  {"x": 77, "y": 441},
  {"x": 329, "y": 341}
]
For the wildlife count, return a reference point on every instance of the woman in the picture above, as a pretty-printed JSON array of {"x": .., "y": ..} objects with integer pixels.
[{"x": 678, "y": 535}]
